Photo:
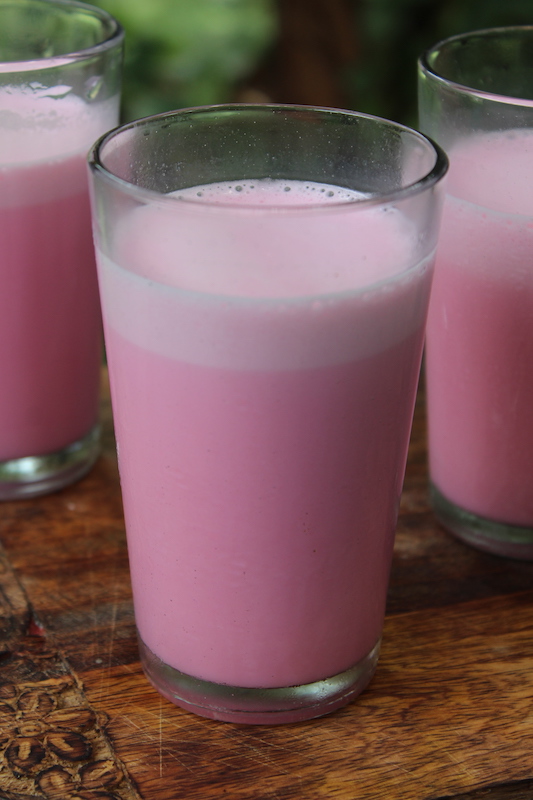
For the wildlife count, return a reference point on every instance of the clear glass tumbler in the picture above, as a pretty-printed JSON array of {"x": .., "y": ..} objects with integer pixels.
[
  {"x": 476, "y": 100},
  {"x": 265, "y": 274},
  {"x": 60, "y": 66}
]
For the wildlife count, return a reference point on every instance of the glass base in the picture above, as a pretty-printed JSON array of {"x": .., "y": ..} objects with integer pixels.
[
  {"x": 36, "y": 475},
  {"x": 258, "y": 706},
  {"x": 511, "y": 541}
]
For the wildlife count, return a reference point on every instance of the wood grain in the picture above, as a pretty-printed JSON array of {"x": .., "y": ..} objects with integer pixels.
[{"x": 449, "y": 713}]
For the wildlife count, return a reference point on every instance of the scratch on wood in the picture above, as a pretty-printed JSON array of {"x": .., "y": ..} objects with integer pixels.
[
  {"x": 113, "y": 625},
  {"x": 152, "y": 738},
  {"x": 260, "y": 755},
  {"x": 160, "y": 738},
  {"x": 460, "y": 762}
]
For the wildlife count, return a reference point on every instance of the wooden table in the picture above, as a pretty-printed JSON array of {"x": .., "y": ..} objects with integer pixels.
[{"x": 448, "y": 714}]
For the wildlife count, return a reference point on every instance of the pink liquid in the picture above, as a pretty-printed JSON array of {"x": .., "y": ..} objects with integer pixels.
[
  {"x": 262, "y": 402},
  {"x": 50, "y": 346},
  {"x": 480, "y": 332}
]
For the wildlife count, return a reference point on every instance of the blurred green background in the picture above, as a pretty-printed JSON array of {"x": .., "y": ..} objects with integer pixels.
[{"x": 358, "y": 54}]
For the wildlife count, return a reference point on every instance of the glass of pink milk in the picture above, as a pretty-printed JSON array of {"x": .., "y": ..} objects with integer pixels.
[
  {"x": 264, "y": 274},
  {"x": 476, "y": 100},
  {"x": 60, "y": 67}
]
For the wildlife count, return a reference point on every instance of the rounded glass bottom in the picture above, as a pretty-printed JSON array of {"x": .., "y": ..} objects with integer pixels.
[
  {"x": 510, "y": 541},
  {"x": 258, "y": 706},
  {"x": 36, "y": 475}
]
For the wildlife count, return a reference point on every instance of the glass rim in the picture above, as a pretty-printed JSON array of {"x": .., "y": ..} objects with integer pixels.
[
  {"x": 461, "y": 88},
  {"x": 114, "y": 37},
  {"x": 427, "y": 181}
]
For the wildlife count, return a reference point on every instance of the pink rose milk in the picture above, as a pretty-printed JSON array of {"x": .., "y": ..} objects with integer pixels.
[
  {"x": 480, "y": 331},
  {"x": 263, "y": 364},
  {"x": 50, "y": 345}
]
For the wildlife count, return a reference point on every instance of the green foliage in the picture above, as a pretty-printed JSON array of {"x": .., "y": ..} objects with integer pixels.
[
  {"x": 393, "y": 33},
  {"x": 183, "y": 53}
]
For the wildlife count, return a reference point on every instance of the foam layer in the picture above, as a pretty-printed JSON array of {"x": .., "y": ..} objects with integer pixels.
[
  {"x": 42, "y": 132},
  {"x": 234, "y": 284},
  {"x": 269, "y": 193},
  {"x": 494, "y": 171}
]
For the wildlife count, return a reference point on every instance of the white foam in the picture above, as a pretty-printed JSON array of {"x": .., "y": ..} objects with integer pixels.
[
  {"x": 494, "y": 171},
  {"x": 265, "y": 287},
  {"x": 271, "y": 193},
  {"x": 44, "y": 138},
  {"x": 39, "y": 124}
]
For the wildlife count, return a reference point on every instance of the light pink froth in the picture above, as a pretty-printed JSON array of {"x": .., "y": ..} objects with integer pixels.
[{"x": 252, "y": 242}]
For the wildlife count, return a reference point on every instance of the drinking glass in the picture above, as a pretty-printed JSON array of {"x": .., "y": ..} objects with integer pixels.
[
  {"x": 265, "y": 274},
  {"x": 59, "y": 91},
  {"x": 476, "y": 100}
]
